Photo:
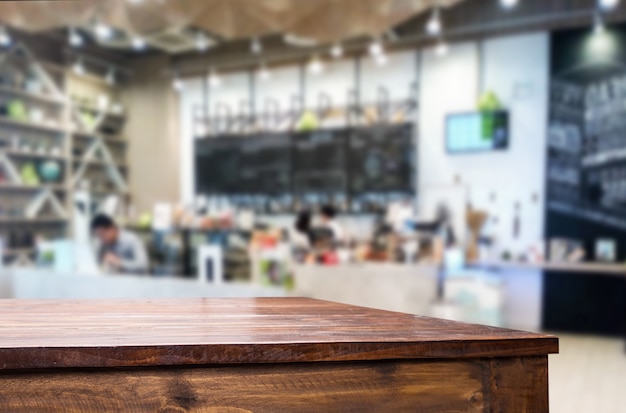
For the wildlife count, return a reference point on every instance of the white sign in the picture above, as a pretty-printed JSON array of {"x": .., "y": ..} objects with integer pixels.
[{"x": 162, "y": 217}]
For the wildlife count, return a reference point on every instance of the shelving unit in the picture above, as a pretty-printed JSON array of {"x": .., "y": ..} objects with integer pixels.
[
  {"x": 98, "y": 152},
  {"x": 34, "y": 148},
  {"x": 59, "y": 131}
]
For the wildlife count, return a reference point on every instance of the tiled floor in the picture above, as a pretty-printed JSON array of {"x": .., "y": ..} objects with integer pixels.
[{"x": 588, "y": 376}]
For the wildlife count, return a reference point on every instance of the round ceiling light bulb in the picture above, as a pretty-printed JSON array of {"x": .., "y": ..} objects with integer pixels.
[
  {"x": 441, "y": 49},
  {"x": 178, "y": 84},
  {"x": 608, "y": 4},
  {"x": 376, "y": 48},
  {"x": 316, "y": 66},
  {"x": 79, "y": 67},
  {"x": 434, "y": 26},
  {"x": 201, "y": 42},
  {"x": 336, "y": 51},
  {"x": 138, "y": 43},
  {"x": 103, "y": 32},
  {"x": 5, "y": 39},
  {"x": 256, "y": 47},
  {"x": 509, "y": 4},
  {"x": 215, "y": 80},
  {"x": 264, "y": 73},
  {"x": 75, "y": 39}
]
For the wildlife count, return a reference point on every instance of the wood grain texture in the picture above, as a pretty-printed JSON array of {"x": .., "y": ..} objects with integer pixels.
[
  {"x": 126, "y": 333},
  {"x": 516, "y": 385},
  {"x": 519, "y": 384}
]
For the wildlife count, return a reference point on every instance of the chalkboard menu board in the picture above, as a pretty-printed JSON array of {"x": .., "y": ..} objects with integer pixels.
[
  {"x": 282, "y": 171},
  {"x": 218, "y": 162},
  {"x": 586, "y": 176},
  {"x": 381, "y": 159},
  {"x": 319, "y": 162},
  {"x": 265, "y": 166}
]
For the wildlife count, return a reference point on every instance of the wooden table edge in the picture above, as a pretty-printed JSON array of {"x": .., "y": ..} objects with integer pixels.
[{"x": 268, "y": 353}]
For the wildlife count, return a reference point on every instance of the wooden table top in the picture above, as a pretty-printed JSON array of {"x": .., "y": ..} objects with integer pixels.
[{"x": 205, "y": 331}]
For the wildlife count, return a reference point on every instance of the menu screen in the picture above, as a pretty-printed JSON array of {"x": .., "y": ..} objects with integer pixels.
[{"x": 477, "y": 132}]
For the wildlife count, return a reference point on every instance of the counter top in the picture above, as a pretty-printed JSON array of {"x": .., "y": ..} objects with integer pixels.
[
  {"x": 581, "y": 267},
  {"x": 128, "y": 333}
]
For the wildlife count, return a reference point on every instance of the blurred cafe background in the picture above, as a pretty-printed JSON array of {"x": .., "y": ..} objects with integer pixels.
[{"x": 462, "y": 159}]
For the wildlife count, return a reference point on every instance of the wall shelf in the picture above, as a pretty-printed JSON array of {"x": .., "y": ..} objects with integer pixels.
[
  {"x": 89, "y": 78},
  {"x": 88, "y": 136},
  {"x": 92, "y": 109},
  {"x": 34, "y": 97},
  {"x": 95, "y": 162},
  {"x": 31, "y": 188},
  {"x": 28, "y": 221},
  {"x": 6, "y": 121},
  {"x": 101, "y": 192},
  {"x": 33, "y": 155}
]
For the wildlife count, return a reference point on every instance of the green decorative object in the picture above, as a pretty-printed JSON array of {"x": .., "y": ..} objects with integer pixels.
[
  {"x": 88, "y": 119},
  {"x": 50, "y": 171},
  {"x": 307, "y": 122},
  {"x": 145, "y": 220},
  {"x": 488, "y": 126},
  {"x": 28, "y": 173},
  {"x": 489, "y": 102},
  {"x": 17, "y": 110},
  {"x": 276, "y": 273},
  {"x": 47, "y": 258}
]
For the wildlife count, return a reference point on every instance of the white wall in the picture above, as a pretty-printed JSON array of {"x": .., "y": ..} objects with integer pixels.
[
  {"x": 396, "y": 76},
  {"x": 191, "y": 97},
  {"x": 233, "y": 90},
  {"x": 515, "y": 67},
  {"x": 335, "y": 81},
  {"x": 281, "y": 87}
]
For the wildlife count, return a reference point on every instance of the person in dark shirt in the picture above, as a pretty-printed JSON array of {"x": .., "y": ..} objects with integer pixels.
[
  {"x": 329, "y": 220},
  {"x": 118, "y": 250},
  {"x": 320, "y": 239}
]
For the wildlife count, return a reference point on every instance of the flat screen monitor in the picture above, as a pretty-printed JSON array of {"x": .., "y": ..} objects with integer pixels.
[{"x": 477, "y": 132}]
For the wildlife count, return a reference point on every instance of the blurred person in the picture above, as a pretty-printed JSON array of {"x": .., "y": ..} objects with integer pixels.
[
  {"x": 445, "y": 230},
  {"x": 118, "y": 250},
  {"x": 303, "y": 228},
  {"x": 329, "y": 220},
  {"x": 439, "y": 234},
  {"x": 318, "y": 242}
]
